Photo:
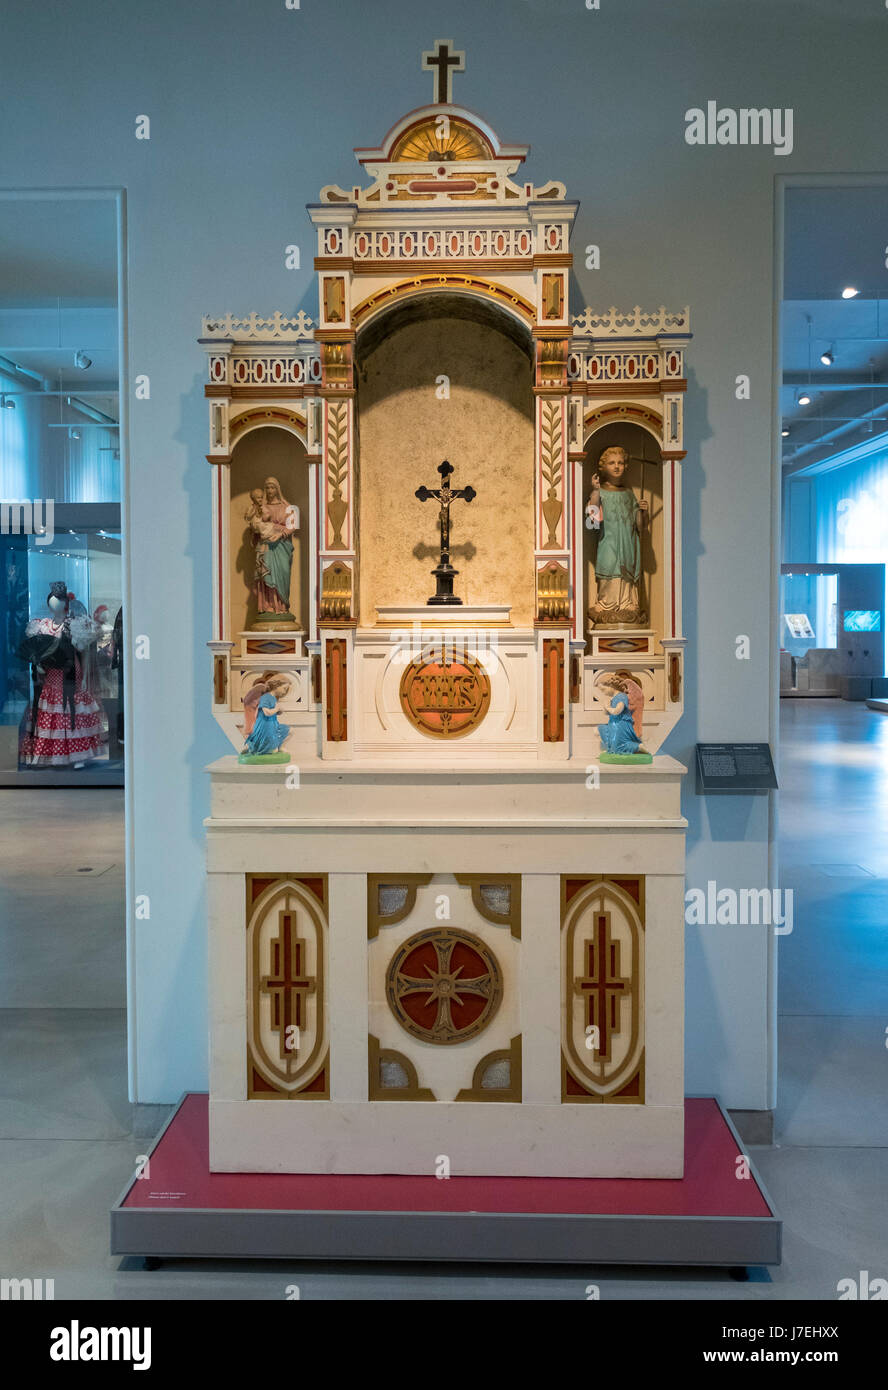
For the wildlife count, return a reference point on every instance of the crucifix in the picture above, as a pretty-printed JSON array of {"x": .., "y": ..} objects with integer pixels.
[
  {"x": 444, "y": 61},
  {"x": 444, "y": 572}
]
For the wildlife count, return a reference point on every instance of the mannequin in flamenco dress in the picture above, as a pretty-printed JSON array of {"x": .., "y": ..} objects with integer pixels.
[{"x": 62, "y": 726}]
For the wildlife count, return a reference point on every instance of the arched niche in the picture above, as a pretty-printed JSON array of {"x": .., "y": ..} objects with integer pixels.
[
  {"x": 445, "y": 376},
  {"x": 259, "y": 453},
  {"x": 645, "y": 476}
]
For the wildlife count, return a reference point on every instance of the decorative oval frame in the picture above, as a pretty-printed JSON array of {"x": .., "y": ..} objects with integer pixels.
[{"x": 460, "y": 658}]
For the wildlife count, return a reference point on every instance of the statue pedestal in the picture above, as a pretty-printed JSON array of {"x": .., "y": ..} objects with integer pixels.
[
  {"x": 621, "y": 642},
  {"x": 559, "y": 894},
  {"x": 258, "y": 644},
  {"x": 286, "y": 622}
]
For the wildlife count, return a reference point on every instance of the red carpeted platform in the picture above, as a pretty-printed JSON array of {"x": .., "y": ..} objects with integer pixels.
[{"x": 711, "y": 1216}]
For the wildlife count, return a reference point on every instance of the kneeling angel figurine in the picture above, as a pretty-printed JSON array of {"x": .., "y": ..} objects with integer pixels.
[
  {"x": 621, "y": 735},
  {"x": 264, "y": 731}
]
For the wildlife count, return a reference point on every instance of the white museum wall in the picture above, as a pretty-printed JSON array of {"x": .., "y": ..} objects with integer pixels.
[{"x": 253, "y": 108}]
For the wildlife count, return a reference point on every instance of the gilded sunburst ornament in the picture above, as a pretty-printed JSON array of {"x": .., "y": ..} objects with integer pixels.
[{"x": 444, "y": 138}]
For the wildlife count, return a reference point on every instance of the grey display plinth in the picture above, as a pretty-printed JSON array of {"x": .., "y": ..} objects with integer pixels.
[{"x": 169, "y": 1230}]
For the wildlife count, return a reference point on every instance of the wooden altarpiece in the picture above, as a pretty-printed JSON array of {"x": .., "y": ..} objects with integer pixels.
[{"x": 443, "y": 921}]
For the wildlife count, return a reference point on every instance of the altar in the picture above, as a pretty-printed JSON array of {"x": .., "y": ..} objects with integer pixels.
[{"x": 446, "y": 855}]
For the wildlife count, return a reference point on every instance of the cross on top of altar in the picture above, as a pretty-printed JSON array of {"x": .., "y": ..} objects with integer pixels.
[{"x": 444, "y": 60}]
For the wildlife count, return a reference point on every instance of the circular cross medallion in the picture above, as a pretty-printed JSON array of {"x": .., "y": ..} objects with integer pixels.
[
  {"x": 445, "y": 694},
  {"x": 443, "y": 985}
]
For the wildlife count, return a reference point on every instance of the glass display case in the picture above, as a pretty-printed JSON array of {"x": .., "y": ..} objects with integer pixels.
[
  {"x": 61, "y": 655},
  {"x": 809, "y": 609}
]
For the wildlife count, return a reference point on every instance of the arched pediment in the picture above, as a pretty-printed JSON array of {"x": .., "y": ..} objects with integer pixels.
[
  {"x": 441, "y": 132},
  {"x": 623, "y": 413},
  {"x": 396, "y": 313},
  {"x": 474, "y": 286},
  {"x": 275, "y": 417}
]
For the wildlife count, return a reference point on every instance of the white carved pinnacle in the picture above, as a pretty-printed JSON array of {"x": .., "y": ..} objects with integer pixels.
[
  {"x": 277, "y": 327},
  {"x": 634, "y": 323}
]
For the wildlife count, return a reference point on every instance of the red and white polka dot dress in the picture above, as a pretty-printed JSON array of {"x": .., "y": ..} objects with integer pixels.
[{"x": 54, "y": 743}]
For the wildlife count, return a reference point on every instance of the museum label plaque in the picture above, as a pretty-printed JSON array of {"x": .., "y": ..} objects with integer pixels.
[{"x": 735, "y": 767}]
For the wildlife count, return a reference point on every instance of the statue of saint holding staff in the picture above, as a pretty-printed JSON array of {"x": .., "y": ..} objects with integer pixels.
[{"x": 617, "y": 518}]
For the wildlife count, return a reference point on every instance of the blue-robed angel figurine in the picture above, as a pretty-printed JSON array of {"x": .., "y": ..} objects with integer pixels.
[
  {"x": 267, "y": 732},
  {"x": 619, "y": 735}
]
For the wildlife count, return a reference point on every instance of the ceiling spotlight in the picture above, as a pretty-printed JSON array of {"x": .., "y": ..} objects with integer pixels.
[
  {"x": 828, "y": 357},
  {"x": 849, "y": 292},
  {"x": 81, "y": 360},
  {"x": 785, "y": 431},
  {"x": 803, "y": 398},
  {"x": 72, "y": 433}
]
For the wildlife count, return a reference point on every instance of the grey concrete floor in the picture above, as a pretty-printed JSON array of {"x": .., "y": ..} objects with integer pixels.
[{"x": 67, "y": 1144}]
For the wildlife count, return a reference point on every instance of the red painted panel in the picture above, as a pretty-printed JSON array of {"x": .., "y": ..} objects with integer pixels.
[{"x": 553, "y": 690}]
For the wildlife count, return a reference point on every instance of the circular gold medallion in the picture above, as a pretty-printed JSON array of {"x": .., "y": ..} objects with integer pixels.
[
  {"x": 445, "y": 694},
  {"x": 443, "y": 985}
]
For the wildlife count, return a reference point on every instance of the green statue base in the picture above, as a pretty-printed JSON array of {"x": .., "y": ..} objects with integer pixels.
[
  {"x": 625, "y": 758},
  {"x": 269, "y": 622},
  {"x": 263, "y": 757}
]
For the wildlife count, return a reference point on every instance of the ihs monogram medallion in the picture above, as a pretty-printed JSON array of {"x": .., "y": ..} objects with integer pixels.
[
  {"x": 443, "y": 985},
  {"x": 445, "y": 693}
]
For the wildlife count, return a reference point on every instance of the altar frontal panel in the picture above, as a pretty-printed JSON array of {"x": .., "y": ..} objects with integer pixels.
[{"x": 444, "y": 987}]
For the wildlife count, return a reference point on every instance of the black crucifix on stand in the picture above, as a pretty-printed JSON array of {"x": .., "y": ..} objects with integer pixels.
[{"x": 444, "y": 572}]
